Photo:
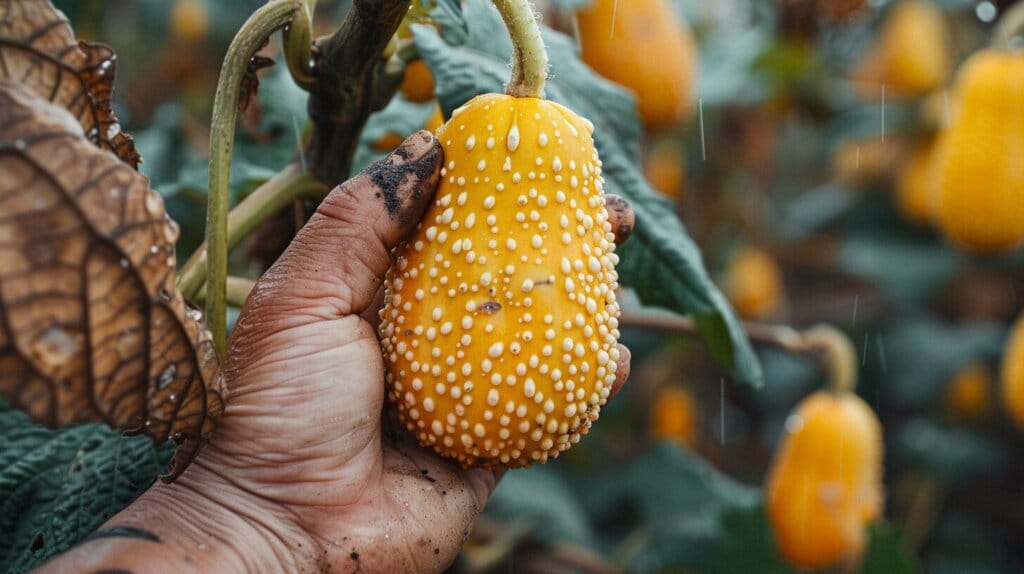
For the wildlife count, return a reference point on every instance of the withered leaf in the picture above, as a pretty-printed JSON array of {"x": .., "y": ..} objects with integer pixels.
[
  {"x": 38, "y": 50},
  {"x": 92, "y": 327}
]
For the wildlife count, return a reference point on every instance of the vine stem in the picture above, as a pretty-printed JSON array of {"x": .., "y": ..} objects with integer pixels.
[
  {"x": 838, "y": 356},
  {"x": 298, "y": 46},
  {"x": 238, "y": 290},
  {"x": 271, "y": 197},
  {"x": 529, "y": 56},
  {"x": 1009, "y": 26},
  {"x": 250, "y": 38}
]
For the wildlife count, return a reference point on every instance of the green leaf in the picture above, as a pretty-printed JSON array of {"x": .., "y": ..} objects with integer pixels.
[
  {"x": 661, "y": 261},
  {"x": 447, "y": 14},
  {"x": 951, "y": 454},
  {"x": 678, "y": 500},
  {"x": 747, "y": 544},
  {"x": 885, "y": 553},
  {"x": 923, "y": 354},
  {"x": 57, "y": 486},
  {"x": 543, "y": 495}
]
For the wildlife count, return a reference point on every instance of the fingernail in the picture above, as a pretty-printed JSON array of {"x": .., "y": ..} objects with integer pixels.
[
  {"x": 415, "y": 147},
  {"x": 620, "y": 216}
]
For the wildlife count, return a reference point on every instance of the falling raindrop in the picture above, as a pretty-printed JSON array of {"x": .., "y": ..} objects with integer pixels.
[{"x": 700, "y": 116}]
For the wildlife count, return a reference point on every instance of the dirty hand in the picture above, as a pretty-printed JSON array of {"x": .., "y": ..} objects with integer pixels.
[{"x": 302, "y": 474}]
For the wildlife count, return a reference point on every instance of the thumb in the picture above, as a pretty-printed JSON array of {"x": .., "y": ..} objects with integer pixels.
[{"x": 336, "y": 263}]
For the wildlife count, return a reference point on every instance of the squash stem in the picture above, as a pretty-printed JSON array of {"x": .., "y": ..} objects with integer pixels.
[{"x": 529, "y": 56}]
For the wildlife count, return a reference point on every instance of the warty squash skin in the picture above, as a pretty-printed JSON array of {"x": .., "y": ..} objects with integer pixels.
[
  {"x": 824, "y": 485},
  {"x": 647, "y": 47},
  {"x": 500, "y": 321},
  {"x": 980, "y": 173}
]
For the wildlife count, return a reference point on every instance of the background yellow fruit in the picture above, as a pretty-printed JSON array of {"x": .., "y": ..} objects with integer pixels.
[
  {"x": 500, "y": 321},
  {"x": 969, "y": 394},
  {"x": 915, "y": 188},
  {"x": 824, "y": 485},
  {"x": 418, "y": 84},
  {"x": 647, "y": 47},
  {"x": 674, "y": 416},
  {"x": 665, "y": 168},
  {"x": 913, "y": 53},
  {"x": 753, "y": 284},
  {"x": 1013, "y": 373},
  {"x": 980, "y": 173},
  {"x": 189, "y": 20}
]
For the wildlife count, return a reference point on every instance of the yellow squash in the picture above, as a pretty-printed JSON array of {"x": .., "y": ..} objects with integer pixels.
[
  {"x": 1013, "y": 374},
  {"x": 665, "y": 168},
  {"x": 647, "y": 47},
  {"x": 915, "y": 188},
  {"x": 913, "y": 54},
  {"x": 500, "y": 321},
  {"x": 753, "y": 284},
  {"x": 969, "y": 394},
  {"x": 979, "y": 166},
  {"x": 674, "y": 416},
  {"x": 824, "y": 485}
]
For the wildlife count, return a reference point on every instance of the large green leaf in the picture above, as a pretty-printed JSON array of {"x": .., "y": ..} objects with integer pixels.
[
  {"x": 544, "y": 496},
  {"x": 57, "y": 486},
  {"x": 660, "y": 262}
]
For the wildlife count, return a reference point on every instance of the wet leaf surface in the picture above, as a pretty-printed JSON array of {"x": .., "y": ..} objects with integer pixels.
[
  {"x": 91, "y": 325},
  {"x": 38, "y": 50}
]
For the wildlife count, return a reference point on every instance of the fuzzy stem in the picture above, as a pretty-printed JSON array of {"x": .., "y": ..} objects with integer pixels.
[
  {"x": 839, "y": 358},
  {"x": 529, "y": 57},
  {"x": 1008, "y": 27},
  {"x": 266, "y": 200},
  {"x": 247, "y": 42}
]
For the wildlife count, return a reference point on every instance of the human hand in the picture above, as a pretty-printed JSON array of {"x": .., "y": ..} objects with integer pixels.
[{"x": 308, "y": 470}]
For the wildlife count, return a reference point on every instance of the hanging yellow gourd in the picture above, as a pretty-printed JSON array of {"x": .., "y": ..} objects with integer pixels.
[
  {"x": 915, "y": 188},
  {"x": 913, "y": 54},
  {"x": 1013, "y": 373},
  {"x": 824, "y": 486},
  {"x": 979, "y": 171},
  {"x": 647, "y": 47},
  {"x": 500, "y": 321}
]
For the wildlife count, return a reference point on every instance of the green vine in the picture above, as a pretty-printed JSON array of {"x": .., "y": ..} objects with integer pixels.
[
  {"x": 250, "y": 38},
  {"x": 289, "y": 184}
]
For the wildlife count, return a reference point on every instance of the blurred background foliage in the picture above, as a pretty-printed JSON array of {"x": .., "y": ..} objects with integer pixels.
[{"x": 789, "y": 175}]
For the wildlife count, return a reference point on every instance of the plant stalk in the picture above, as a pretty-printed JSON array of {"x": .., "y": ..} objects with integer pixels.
[
  {"x": 529, "y": 56},
  {"x": 839, "y": 359},
  {"x": 266, "y": 200},
  {"x": 250, "y": 38}
]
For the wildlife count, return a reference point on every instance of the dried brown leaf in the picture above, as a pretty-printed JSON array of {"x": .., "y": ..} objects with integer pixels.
[
  {"x": 38, "y": 50},
  {"x": 92, "y": 327}
]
